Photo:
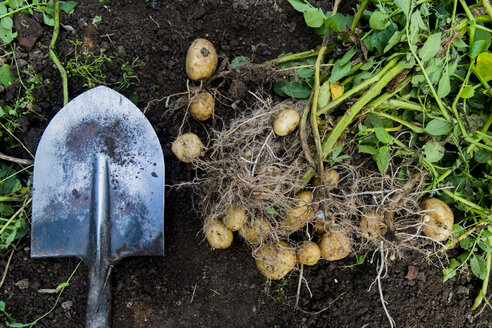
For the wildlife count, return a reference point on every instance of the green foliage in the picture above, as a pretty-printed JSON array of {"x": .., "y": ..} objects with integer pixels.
[{"x": 10, "y": 7}]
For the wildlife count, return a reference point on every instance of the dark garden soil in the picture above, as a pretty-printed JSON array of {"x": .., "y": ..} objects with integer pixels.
[{"x": 193, "y": 285}]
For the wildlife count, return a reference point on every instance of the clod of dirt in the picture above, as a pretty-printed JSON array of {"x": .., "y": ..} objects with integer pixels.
[{"x": 28, "y": 31}]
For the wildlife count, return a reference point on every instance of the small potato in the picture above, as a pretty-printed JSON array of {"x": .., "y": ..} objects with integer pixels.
[
  {"x": 275, "y": 260},
  {"x": 438, "y": 221},
  {"x": 201, "y": 60},
  {"x": 334, "y": 246},
  {"x": 301, "y": 214},
  {"x": 202, "y": 106},
  {"x": 256, "y": 232},
  {"x": 331, "y": 179},
  {"x": 286, "y": 122},
  {"x": 217, "y": 234},
  {"x": 187, "y": 147},
  {"x": 322, "y": 224},
  {"x": 308, "y": 253},
  {"x": 235, "y": 217},
  {"x": 372, "y": 225}
]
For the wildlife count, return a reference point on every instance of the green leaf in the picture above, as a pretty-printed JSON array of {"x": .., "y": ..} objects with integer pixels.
[
  {"x": 478, "y": 266},
  {"x": 296, "y": 90},
  {"x": 460, "y": 44},
  {"x": 367, "y": 149},
  {"x": 379, "y": 20},
  {"x": 6, "y": 79},
  {"x": 3, "y": 9},
  {"x": 299, "y": 5},
  {"x": 438, "y": 127},
  {"x": 431, "y": 47},
  {"x": 305, "y": 73},
  {"x": 450, "y": 271},
  {"x": 339, "y": 72},
  {"x": 484, "y": 246},
  {"x": 324, "y": 95},
  {"x": 395, "y": 38},
  {"x": 314, "y": 17},
  {"x": 482, "y": 156},
  {"x": 467, "y": 243},
  {"x": 379, "y": 39},
  {"x": 238, "y": 62},
  {"x": 484, "y": 65},
  {"x": 444, "y": 87},
  {"x": 467, "y": 92},
  {"x": 7, "y": 23},
  {"x": 15, "y": 4},
  {"x": 433, "y": 151},
  {"x": 382, "y": 158},
  {"x": 478, "y": 47},
  {"x": 416, "y": 24},
  {"x": 48, "y": 20},
  {"x": 383, "y": 135},
  {"x": 6, "y": 34},
  {"x": 404, "y": 5},
  {"x": 338, "y": 22},
  {"x": 68, "y": 6},
  {"x": 271, "y": 211}
]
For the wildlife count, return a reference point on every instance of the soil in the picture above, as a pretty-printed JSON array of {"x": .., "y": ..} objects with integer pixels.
[{"x": 193, "y": 285}]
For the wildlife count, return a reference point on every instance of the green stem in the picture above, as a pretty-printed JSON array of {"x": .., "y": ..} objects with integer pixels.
[
  {"x": 297, "y": 56},
  {"x": 9, "y": 199},
  {"x": 332, "y": 105},
  {"x": 53, "y": 56},
  {"x": 469, "y": 14},
  {"x": 385, "y": 98},
  {"x": 412, "y": 127},
  {"x": 483, "y": 290},
  {"x": 470, "y": 205},
  {"x": 422, "y": 68},
  {"x": 358, "y": 14},
  {"x": 314, "y": 108},
  {"x": 349, "y": 115},
  {"x": 488, "y": 7},
  {"x": 457, "y": 98},
  {"x": 480, "y": 27},
  {"x": 20, "y": 9}
]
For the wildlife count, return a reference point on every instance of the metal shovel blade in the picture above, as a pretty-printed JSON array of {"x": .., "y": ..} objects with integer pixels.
[{"x": 98, "y": 190}]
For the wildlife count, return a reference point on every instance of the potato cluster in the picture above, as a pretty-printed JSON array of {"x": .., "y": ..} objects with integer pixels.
[{"x": 201, "y": 63}]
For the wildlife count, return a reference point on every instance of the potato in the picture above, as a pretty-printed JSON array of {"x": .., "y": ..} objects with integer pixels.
[
  {"x": 275, "y": 260},
  {"x": 256, "y": 232},
  {"x": 202, "y": 106},
  {"x": 438, "y": 221},
  {"x": 217, "y": 234},
  {"x": 299, "y": 215},
  {"x": 308, "y": 253},
  {"x": 322, "y": 224},
  {"x": 235, "y": 217},
  {"x": 331, "y": 179},
  {"x": 201, "y": 60},
  {"x": 286, "y": 122},
  {"x": 187, "y": 147},
  {"x": 372, "y": 225},
  {"x": 334, "y": 246}
]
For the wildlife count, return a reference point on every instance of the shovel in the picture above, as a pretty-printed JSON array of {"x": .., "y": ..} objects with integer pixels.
[{"x": 98, "y": 190}]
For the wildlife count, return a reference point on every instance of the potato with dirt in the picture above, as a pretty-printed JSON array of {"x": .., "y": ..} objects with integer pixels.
[
  {"x": 256, "y": 231},
  {"x": 201, "y": 60},
  {"x": 235, "y": 217},
  {"x": 217, "y": 234},
  {"x": 298, "y": 216},
  {"x": 438, "y": 219},
  {"x": 286, "y": 122},
  {"x": 334, "y": 245},
  {"x": 372, "y": 225},
  {"x": 331, "y": 179},
  {"x": 202, "y": 106},
  {"x": 187, "y": 147},
  {"x": 308, "y": 253},
  {"x": 275, "y": 260}
]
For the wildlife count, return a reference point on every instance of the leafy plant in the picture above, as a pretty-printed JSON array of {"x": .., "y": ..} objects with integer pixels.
[{"x": 417, "y": 76}]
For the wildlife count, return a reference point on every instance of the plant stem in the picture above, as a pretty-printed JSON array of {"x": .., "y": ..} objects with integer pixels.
[
  {"x": 53, "y": 56},
  {"x": 303, "y": 135},
  {"x": 412, "y": 127},
  {"x": 488, "y": 8},
  {"x": 332, "y": 105},
  {"x": 483, "y": 290},
  {"x": 297, "y": 56},
  {"x": 349, "y": 115},
  {"x": 314, "y": 108},
  {"x": 358, "y": 14},
  {"x": 465, "y": 202}
]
